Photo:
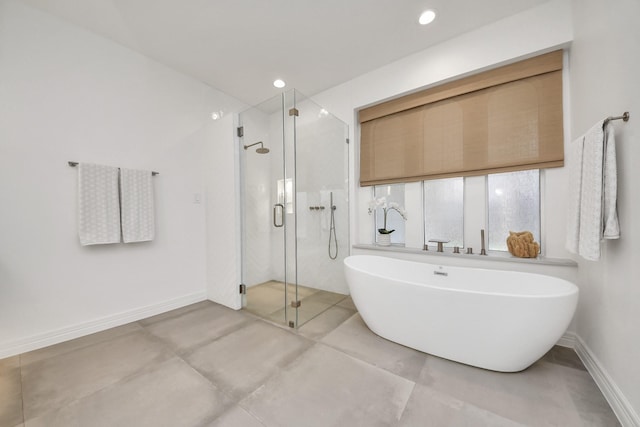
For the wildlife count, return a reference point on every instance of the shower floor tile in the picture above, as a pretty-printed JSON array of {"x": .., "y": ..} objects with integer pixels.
[
  {"x": 267, "y": 300},
  {"x": 231, "y": 368}
]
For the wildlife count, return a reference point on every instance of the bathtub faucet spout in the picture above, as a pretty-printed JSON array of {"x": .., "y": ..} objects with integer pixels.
[{"x": 440, "y": 243}]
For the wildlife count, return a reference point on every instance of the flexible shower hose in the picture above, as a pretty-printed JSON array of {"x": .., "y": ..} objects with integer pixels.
[{"x": 332, "y": 230}]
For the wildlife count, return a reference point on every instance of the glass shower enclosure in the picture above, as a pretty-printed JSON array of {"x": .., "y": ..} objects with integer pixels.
[{"x": 294, "y": 183}]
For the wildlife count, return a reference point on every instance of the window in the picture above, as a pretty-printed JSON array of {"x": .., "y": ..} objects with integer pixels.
[
  {"x": 392, "y": 193},
  {"x": 513, "y": 204},
  {"x": 444, "y": 210}
]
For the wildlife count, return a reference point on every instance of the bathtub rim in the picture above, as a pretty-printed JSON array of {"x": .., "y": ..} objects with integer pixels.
[{"x": 572, "y": 288}]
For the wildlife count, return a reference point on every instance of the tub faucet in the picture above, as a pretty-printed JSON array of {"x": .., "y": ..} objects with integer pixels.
[
  {"x": 482, "y": 251},
  {"x": 440, "y": 243}
]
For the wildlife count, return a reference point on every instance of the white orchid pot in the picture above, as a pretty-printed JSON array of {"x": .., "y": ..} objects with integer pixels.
[{"x": 384, "y": 239}]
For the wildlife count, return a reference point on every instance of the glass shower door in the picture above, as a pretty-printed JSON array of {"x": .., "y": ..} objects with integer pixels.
[
  {"x": 267, "y": 161},
  {"x": 295, "y": 224}
]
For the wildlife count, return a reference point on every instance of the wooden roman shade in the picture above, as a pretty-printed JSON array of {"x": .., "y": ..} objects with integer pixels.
[{"x": 501, "y": 120}]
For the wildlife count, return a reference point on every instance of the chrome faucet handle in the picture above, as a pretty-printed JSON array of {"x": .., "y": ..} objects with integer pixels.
[
  {"x": 470, "y": 251},
  {"x": 456, "y": 249},
  {"x": 440, "y": 243},
  {"x": 426, "y": 247}
]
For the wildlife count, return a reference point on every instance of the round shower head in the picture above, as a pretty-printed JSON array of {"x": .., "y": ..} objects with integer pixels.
[{"x": 260, "y": 150}]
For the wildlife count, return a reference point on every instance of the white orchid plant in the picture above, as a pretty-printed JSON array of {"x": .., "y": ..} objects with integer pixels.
[{"x": 381, "y": 202}]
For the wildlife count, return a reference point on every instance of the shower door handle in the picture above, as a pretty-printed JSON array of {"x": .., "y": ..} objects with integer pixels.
[{"x": 275, "y": 207}]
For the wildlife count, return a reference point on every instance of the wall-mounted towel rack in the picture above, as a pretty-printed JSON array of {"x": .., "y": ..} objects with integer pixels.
[
  {"x": 74, "y": 164},
  {"x": 624, "y": 117}
]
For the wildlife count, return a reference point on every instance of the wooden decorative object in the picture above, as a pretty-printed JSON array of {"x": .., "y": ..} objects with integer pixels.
[{"x": 522, "y": 245}]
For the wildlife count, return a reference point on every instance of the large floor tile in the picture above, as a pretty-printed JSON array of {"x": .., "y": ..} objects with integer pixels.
[
  {"x": 240, "y": 362},
  {"x": 564, "y": 356},
  {"x": 325, "y": 387},
  {"x": 175, "y": 313},
  {"x": 591, "y": 405},
  {"x": 196, "y": 327},
  {"x": 325, "y": 322},
  {"x": 347, "y": 302},
  {"x": 57, "y": 381},
  {"x": 355, "y": 338},
  {"x": 9, "y": 363},
  {"x": 75, "y": 344},
  {"x": 427, "y": 408},
  {"x": 535, "y": 397},
  {"x": 10, "y": 392},
  {"x": 169, "y": 394},
  {"x": 236, "y": 417}
]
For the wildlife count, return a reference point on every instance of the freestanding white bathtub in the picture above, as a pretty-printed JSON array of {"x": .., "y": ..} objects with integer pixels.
[{"x": 498, "y": 320}]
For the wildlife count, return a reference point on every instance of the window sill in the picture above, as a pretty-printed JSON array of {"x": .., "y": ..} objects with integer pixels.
[{"x": 492, "y": 255}]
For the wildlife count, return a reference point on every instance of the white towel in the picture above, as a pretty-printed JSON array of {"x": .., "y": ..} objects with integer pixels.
[
  {"x": 136, "y": 192},
  {"x": 575, "y": 190},
  {"x": 611, "y": 228},
  {"x": 98, "y": 204},
  {"x": 592, "y": 214}
]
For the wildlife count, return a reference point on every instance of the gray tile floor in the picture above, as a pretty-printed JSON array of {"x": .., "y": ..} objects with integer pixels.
[{"x": 207, "y": 365}]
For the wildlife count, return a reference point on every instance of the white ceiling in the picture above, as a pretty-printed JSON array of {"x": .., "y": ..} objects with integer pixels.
[{"x": 241, "y": 46}]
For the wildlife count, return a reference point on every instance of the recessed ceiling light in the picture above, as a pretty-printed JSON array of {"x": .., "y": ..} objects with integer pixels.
[
  {"x": 427, "y": 17},
  {"x": 279, "y": 83}
]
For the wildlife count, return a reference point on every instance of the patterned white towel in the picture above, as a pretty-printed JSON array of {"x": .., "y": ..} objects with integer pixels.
[
  {"x": 611, "y": 228},
  {"x": 136, "y": 190},
  {"x": 592, "y": 213},
  {"x": 98, "y": 204},
  {"x": 575, "y": 190}
]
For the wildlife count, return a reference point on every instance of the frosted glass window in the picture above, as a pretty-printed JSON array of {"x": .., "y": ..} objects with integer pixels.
[
  {"x": 444, "y": 210},
  {"x": 392, "y": 193},
  {"x": 513, "y": 205}
]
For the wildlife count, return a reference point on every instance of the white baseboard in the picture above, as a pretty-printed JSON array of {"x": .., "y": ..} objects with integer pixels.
[
  {"x": 627, "y": 416},
  {"x": 45, "y": 339},
  {"x": 567, "y": 340}
]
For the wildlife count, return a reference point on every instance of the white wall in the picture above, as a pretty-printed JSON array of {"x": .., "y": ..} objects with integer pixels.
[
  {"x": 66, "y": 94},
  {"x": 222, "y": 201},
  {"x": 605, "y": 65}
]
